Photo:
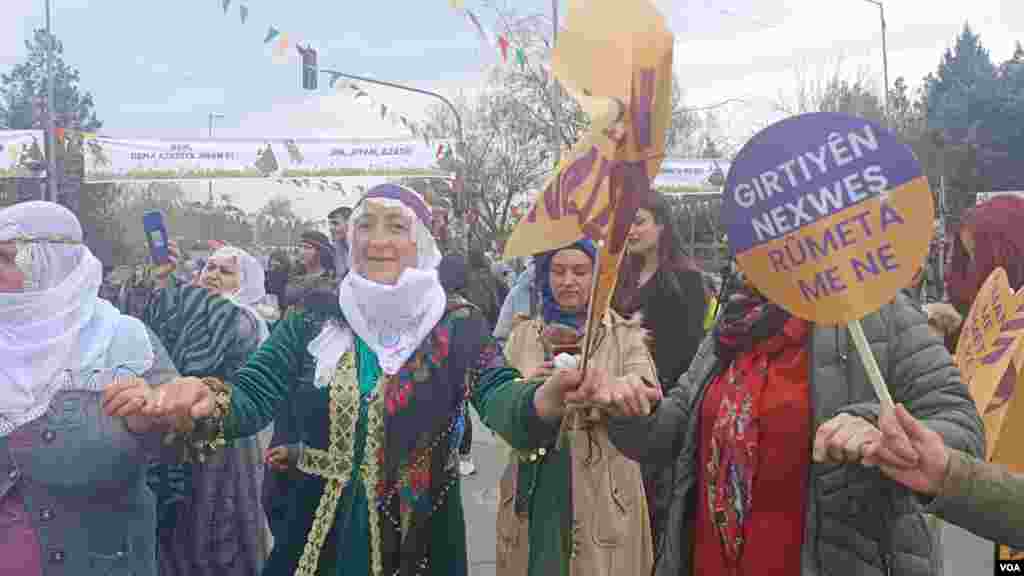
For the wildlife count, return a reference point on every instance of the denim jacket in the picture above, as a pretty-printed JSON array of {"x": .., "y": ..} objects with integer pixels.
[{"x": 73, "y": 498}]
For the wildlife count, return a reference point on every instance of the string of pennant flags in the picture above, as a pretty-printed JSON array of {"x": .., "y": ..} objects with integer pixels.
[
  {"x": 501, "y": 43},
  {"x": 282, "y": 42}
]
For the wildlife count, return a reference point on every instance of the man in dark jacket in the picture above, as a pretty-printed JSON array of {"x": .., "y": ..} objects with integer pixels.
[
  {"x": 338, "y": 219},
  {"x": 317, "y": 269}
]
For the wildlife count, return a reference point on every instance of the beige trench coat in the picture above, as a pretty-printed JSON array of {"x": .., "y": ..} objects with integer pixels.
[{"x": 611, "y": 524}]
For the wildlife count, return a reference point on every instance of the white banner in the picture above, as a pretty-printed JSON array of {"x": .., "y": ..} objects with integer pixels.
[
  {"x": 692, "y": 175},
  {"x": 116, "y": 159},
  {"x": 21, "y": 154}
]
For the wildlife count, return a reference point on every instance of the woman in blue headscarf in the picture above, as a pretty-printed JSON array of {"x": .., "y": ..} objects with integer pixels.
[{"x": 580, "y": 508}]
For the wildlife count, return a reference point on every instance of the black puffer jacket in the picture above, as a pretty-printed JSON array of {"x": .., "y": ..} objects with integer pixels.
[{"x": 857, "y": 522}]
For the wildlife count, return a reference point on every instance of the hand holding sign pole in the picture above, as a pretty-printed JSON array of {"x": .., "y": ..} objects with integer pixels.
[{"x": 829, "y": 216}]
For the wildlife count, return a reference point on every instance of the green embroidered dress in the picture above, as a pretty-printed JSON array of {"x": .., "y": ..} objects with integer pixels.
[{"x": 379, "y": 493}]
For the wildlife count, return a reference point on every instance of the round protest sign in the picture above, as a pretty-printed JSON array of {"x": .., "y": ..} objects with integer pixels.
[{"x": 828, "y": 215}]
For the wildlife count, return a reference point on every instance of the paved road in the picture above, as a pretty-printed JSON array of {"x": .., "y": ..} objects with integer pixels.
[
  {"x": 963, "y": 553},
  {"x": 480, "y": 499}
]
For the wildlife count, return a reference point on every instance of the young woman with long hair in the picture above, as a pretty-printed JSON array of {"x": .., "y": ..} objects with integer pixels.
[{"x": 658, "y": 281}]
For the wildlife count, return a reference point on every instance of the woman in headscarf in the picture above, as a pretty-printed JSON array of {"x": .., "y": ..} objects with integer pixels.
[
  {"x": 579, "y": 509},
  {"x": 379, "y": 371},
  {"x": 211, "y": 520},
  {"x": 72, "y": 496},
  {"x": 766, "y": 431}
]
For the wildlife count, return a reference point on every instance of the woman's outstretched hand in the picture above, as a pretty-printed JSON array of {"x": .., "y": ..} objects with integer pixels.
[
  {"x": 550, "y": 398},
  {"x": 622, "y": 396},
  {"x": 126, "y": 398},
  {"x": 181, "y": 400},
  {"x": 280, "y": 458},
  {"x": 910, "y": 453}
]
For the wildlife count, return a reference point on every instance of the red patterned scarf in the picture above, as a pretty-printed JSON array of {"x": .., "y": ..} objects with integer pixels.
[{"x": 752, "y": 332}]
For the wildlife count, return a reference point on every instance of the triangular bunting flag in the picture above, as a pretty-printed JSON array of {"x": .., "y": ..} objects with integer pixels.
[
  {"x": 404, "y": 120},
  {"x": 383, "y": 111},
  {"x": 521, "y": 57},
  {"x": 479, "y": 27},
  {"x": 227, "y": 3},
  {"x": 281, "y": 50},
  {"x": 243, "y": 12},
  {"x": 457, "y": 4},
  {"x": 503, "y": 45},
  {"x": 271, "y": 34}
]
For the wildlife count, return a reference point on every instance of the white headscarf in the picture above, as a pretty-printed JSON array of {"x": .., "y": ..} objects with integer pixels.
[
  {"x": 57, "y": 334},
  {"x": 393, "y": 320},
  {"x": 252, "y": 289}
]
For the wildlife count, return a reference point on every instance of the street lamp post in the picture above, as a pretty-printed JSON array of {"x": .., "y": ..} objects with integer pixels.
[
  {"x": 460, "y": 144},
  {"x": 51, "y": 137},
  {"x": 210, "y": 118},
  {"x": 885, "y": 56}
]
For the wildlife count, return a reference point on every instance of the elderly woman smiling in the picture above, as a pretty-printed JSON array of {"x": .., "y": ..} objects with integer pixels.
[
  {"x": 377, "y": 447},
  {"x": 211, "y": 518}
]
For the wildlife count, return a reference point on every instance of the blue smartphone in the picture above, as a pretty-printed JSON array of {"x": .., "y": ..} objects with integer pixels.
[{"x": 156, "y": 236}]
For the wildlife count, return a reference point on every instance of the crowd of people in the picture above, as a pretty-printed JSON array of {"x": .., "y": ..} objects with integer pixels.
[{"x": 246, "y": 416}]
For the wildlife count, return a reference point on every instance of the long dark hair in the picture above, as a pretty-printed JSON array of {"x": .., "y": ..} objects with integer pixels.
[{"x": 671, "y": 257}]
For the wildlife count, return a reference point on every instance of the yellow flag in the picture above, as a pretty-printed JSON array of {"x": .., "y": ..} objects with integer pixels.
[
  {"x": 457, "y": 4},
  {"x": 984, "y": 352},
  {"x": 615, "y": 58},
  {"x": 1004, "y": 414}
]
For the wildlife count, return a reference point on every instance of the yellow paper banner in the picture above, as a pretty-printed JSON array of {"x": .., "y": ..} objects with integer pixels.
[
  {"x": 1004, "y": 415},
  {"x": 983, "y": 352},
  {"x": 615, "y": 58}
]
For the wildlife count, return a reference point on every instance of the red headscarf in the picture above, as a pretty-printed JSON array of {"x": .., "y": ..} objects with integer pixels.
[{"x": 997, "y": 228}]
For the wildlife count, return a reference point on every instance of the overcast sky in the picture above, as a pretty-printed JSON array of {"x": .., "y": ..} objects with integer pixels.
[{"x": 158, "y": 68}]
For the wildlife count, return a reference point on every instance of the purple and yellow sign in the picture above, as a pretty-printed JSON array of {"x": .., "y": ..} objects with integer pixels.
[{"x": 828, "y": 215}]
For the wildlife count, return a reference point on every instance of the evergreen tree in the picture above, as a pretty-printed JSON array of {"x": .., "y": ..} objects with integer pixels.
[
  {"x": 26, "y": 83},
  {"x": 962, "y": 93}
]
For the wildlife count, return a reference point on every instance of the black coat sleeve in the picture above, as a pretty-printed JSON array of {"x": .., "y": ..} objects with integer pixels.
[{"x": 677, "y": 320}]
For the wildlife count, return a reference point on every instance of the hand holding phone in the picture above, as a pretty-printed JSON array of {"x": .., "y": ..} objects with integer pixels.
[{"x": 156, "y": 237}]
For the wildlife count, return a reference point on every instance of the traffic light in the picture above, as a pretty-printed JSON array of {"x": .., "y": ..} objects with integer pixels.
[{"x": 309, "y": 68}]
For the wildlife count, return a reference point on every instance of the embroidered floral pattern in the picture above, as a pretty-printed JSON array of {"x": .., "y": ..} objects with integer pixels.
[{"x": 414, "y": 481}]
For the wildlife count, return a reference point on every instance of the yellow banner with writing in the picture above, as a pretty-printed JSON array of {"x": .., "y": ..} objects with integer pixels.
[
  {"x": 615, "y": 58},
  {"x": 989, "y": 339}
]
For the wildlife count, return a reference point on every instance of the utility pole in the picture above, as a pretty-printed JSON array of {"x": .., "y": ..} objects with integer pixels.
[
  {"x": 885, "y": 57},
  {"x": 211, "y": 117},
  {"x": 460, "y": 144},
  {"x": 51, "y": 136}
]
